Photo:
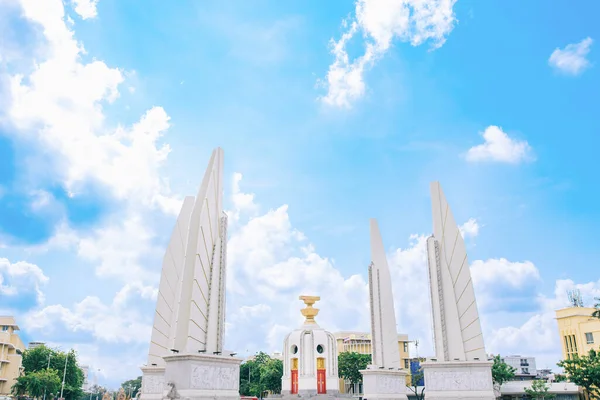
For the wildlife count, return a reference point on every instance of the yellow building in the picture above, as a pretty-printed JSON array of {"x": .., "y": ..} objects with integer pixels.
[
  {"x": 360, "y": 342},
  {"x": 579, "y": 331},
  {"x": 11, "y": 348}
]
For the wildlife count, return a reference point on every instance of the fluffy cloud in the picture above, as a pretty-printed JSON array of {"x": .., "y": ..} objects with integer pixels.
[
  {"x": 269, "y": 265},
  {"x": 499, "y": 147},
  {"x": 109, "y": 323},
  {"x": 493, "y": 271},
  {"x": 59, "y": 106},
  {"x": 539, "y": 333},
  {"x": 19, "y": 277},
  {"x": 572, "y": 59},
  {"x": 469, "y": 228},
  {"x": 86, "y": 8},
  {"x": 380, "y": 22}
]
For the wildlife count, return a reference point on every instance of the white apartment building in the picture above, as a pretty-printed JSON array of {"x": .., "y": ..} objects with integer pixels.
[{"x": 525, "y": 366}]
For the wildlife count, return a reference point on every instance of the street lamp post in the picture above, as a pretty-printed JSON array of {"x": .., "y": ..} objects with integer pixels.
[{"x": 64, "y": 376}]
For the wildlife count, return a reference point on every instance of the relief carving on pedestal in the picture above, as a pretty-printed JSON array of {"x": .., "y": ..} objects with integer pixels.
[
  {"x": 213, "y": 377},
  {"x": 458, "y": 381},
  {"x": 389, "y": 384},
  {"x": 153, "y": 384}
]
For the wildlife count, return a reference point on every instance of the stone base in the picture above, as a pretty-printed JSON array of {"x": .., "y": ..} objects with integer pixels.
[
  {"x": 202, "y": 377},
  {"x": 153, "y": 383},
  {"x": 458, "y": 380},
  {"x": 384, "y": 384}
]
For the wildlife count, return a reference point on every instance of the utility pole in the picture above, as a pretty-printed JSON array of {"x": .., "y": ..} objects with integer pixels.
[
  {"x": 47, "y": 368},
  {"x": 64, "y": 376}
]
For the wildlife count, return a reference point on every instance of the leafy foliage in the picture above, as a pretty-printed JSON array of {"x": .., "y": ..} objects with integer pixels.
[
  {"x": 350, "y": 364},
  {"x": 41, "y": 364},
  {"x": 560, "y": 378},
  {"x": 98, "y": 391},
  {"x": 596, "y": 313},
  {"x": 539, "y": 390},
  {"x": 261, "y": 374},
  {"x": 585, "y": 372},
  {"x": 501, "y": 371},
  {"x": 415, "y": 377},
  {"x": 132, "y": 386}
]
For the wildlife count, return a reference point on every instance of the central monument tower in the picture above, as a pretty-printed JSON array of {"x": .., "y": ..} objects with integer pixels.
[{"x": 310, "y": 358}]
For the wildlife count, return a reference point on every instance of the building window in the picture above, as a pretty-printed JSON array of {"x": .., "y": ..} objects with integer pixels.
[
  {"x": 406, "y": 366},
  {"x": 4, "y": 328},
  {"x": 294, "y": 349},
  {"x": 406, "y": 347},
  {"x": 320, "y": 349},
  {"x": 589, "y": 337}
]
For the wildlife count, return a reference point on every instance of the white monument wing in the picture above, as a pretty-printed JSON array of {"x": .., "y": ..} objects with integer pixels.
[
  {"x": 384, "y": 336},
  {"x": 163, "y": 330},
  {"x": 198, "y": 328},
  {"x": 456, "y": 320}
]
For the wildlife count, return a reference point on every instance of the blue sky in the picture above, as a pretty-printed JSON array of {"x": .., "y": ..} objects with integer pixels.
[{"x": 329, "y": 114}]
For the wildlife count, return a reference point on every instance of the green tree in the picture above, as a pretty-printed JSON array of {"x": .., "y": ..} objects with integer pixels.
[
  {"x": 560, "y": 378},
  {"x": 132, "y": 386},
  {"x": 539, "y": 390},
  {"x": 42, "y": 358},
  {"x": 414, "y": 384},
  {"x": 501, "y": 372},
  {"x": 270, "y": 375},
  {"x": 37, "y": 383},
  {"x": 260, "y": 374},
  {"x": 596, "y": 313},
  {"x": 584, "y": 371},
  {"x": 350, "y": 364}
]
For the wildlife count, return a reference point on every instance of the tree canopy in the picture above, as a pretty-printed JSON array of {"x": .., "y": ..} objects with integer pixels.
[
  {"x": 42, "y": 366},
  {"x": 501, "y": 371},
  {"x": 132, "y": 386},
  {"x": 350, "y": 364},
  {"x": 596, "y": 313},
  {"x": 261, "y": 374},
  {"x": 584, "y": 371},
  {"x": 539, "y": 390}
]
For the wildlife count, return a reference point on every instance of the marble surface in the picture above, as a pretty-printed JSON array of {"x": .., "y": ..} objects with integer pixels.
[
  {"x": 203, "y": 377},
  {"x": 458, "y": 380},
  {"x": 379, "y": 384}
]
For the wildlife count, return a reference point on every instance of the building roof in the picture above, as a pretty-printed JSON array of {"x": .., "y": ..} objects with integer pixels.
[{"x": 7, "y": 320}]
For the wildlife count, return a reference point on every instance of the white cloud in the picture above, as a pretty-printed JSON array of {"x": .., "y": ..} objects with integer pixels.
[
  {"x": 496, "y": 271},
  {"x": 499, "y": 147},
  {"x": 469, "y": 228},
  {"x": 21, "y": 276},
  {"x": 242, "y": 202},
  {"x": 86, "y": 8},
  {"x": 59, "y": 105},
  {"x": 538, "y": 335},
  {"x": 572, "y": 59},
  {"x": 381, "y": 21},
  {"x": 112, "y": 323}
]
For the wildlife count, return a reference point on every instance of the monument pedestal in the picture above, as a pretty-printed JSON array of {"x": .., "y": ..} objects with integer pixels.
[
  {"x": 458, "y": 380},
  {"x": 202, "y": 377},
  {"x": 382, "y": 384},
  {"x": 153, "y": 383}
]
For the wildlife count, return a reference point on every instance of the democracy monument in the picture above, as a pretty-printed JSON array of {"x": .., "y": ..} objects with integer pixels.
[{"x": 186, "y": 357}]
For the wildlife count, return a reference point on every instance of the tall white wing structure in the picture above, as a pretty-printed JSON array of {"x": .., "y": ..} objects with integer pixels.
[
  {"x": 190, "y": 309},
  {"x": 457, "y": 328},
  {"x": 384, "y": 335}
]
